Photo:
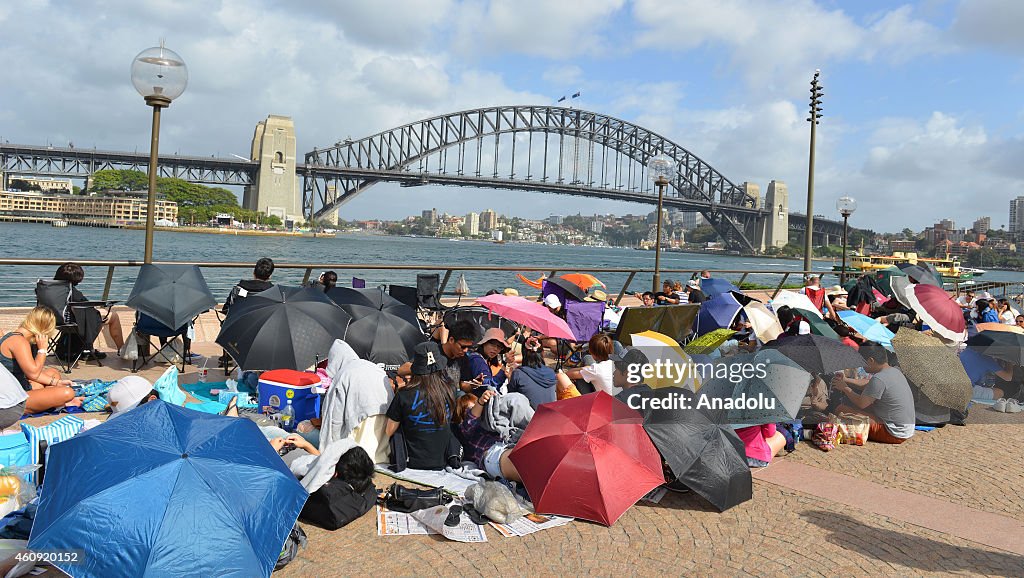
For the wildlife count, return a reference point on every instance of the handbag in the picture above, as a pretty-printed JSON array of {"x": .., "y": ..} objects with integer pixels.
[
  {"x": 402, "y": 499},
  {"x": 337, "y": 504},
  {"x": 854, "y": 428}
]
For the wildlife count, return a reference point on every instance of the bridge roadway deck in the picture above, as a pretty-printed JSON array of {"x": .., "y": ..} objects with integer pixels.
[{"x": 949, "y": 501}]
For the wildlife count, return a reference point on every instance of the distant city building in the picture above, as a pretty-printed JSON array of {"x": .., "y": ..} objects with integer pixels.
[
  {"x": 555, "y": 220},
  {"x": 488, "y": 220},
  {"x": 1016, "y": 223},
  {"x": 690, "y": 220},
  {"x": 497, "y": 235},
  {"x": 430, "y": 217},
  {"x": 122, "y": 209},
  {"x": 48, "y": 185},
  {"x": 982, "y": 225},
  {"x": 652, "y": 217},
  {"x": 947, "y": 224},
  {"x": 597, "y": 226},
  {"x": 472, "y": 224},
  {"x": 902, "y": 245}
]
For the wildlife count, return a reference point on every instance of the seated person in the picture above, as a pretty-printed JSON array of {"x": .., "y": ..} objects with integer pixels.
[
  {"x": 260, "y": 282},
  {"x": 340, "y": 497},
  {"x": 533, "y": 378},
  {"x": 454, "y": 344},
  {"x": 762, "y": 442},
  {"x": 130, "y": 392},
  {"x": 43, "y": 385},
  {"x": 328, "y": 280},
  {"x": 629, "y": 361},
  {"x": 491, "y": 358},
  {"x": 667, "y": 295},
  {"x": 599, "y": 373},
  {"x": 73, "y": 273},
  {"x": 423, "y": 409},
  {"x": 12, "y": 399},
  {"x": 694, "y": 295},
  {"x": 885, "y": 398},
  {"x": 354, "y": 407},
  {"x": 683, "y": 295},
  {"x": 480, "y": 445},
  {"x": 1004, "y": 383},
  {"x": 646, "y": 297}
]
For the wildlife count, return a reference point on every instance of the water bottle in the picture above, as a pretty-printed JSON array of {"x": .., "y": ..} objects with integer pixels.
[{"x": 288, "y": 418}]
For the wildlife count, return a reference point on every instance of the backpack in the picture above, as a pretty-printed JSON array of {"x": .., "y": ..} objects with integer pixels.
[
  {"x": 336, "y": 504},
  {"x": 290, "y": 550}
]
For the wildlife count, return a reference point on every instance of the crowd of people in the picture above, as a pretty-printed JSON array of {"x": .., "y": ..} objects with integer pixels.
[{"x": 466, "y": 394}]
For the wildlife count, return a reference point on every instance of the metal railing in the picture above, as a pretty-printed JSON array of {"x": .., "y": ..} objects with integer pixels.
[{"x": 18, "y": 290}]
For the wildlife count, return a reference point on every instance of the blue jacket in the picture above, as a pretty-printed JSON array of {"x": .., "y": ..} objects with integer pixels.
[
  {"x": 478, "y": 365},
  {"x": 536, "y": 383},
  {"x": 989, "y": 316}
]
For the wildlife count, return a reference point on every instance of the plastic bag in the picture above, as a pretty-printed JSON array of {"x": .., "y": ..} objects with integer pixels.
[
  {"x": 495, "y": 501},
  {"x": 131, "y": 348},
  {"x": 177, "y": 346},
  {"x": 17, "y": 482}
]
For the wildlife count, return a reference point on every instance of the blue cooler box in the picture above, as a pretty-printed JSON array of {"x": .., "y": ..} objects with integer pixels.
[{"x": 278, "y": 386}]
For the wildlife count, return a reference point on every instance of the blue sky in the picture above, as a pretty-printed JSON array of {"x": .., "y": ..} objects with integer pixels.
[{"x": 922, "y": 115}]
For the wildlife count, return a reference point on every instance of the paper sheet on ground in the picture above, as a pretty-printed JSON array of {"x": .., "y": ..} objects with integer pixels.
[
  {"x": 434, "y": 479},
  {"x": 529, "y": 524},
  {"x": 398, "y": 524}
]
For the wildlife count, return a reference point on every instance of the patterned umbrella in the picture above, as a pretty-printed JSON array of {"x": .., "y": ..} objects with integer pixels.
[
  {"x": 934, "y": 367},
  {"x": 938, "y": 310},
  {"x": 708, "y": 342}
]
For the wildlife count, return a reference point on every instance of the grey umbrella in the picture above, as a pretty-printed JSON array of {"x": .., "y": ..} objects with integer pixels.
[
  {"x": 171, "y": 294},
  {"x": 934, "y": 367},
  {"x": 762, "y": 387}
]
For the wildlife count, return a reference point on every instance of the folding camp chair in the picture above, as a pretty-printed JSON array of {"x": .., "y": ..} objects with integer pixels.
[
  {"x": 147, "y": 328},
  {"x": 78, "y": 322}
]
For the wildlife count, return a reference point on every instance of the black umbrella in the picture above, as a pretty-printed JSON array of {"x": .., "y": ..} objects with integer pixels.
[
  {"x": 1005, "y": 345},
  {"x": 708, "y": 458},
  {"x": 818, "y": 354},
  {"x": 282, "y": 328},
  {"x": 571, "y": 289},
  {"x": 171, "y": 294},
  {"x": 383, "y": 330},
  {"x": 922, "y": 273},
  {"x": 778, "y": 383},
  {"x": 481, "y": 318}
]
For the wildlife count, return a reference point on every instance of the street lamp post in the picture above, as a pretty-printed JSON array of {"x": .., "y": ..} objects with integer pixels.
[
  {"x": 662, "y": 167},
  {"x": 846, "y": 207},
  {"x": 160, "y": 76},
  {"x": 815, "y": 114}
]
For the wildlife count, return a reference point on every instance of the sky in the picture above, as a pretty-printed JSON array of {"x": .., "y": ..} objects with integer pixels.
[{"x": 922, "y": 114}]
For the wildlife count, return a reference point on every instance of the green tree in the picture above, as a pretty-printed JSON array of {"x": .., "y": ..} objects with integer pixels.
[
  {"x": 21, "y": 185},
  {"x": 270, "y": 220},
  {"x": 702, "y": 234},
  {"x": 119, "y": 180}
]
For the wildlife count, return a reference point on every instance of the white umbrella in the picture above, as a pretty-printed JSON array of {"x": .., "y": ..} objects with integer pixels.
[
  {"x": 794, "y": 300},
  {"x": 765, "y": 325}
]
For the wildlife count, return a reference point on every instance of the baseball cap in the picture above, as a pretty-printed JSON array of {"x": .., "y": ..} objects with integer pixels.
[
  {"x": 128, "y": 392},
  {"x": 494, "y": 334},
  {"x": 630, "y": 356},
  {"x": 427, "y": 358},
  {"x": 552, "y": 301}
]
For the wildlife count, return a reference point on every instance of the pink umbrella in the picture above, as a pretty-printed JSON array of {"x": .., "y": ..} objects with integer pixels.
[
  {"x": 528, "y": 313},
  {"x": 938, "y": 310}
]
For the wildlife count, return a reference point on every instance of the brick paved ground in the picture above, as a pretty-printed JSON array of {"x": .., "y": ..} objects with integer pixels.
[{"x": 780, "y": 532}]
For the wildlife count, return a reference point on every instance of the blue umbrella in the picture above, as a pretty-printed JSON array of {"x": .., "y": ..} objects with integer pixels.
[
  {"x": 715, "y": 286},
  {"x": 870, "y": 328},
  {"x": 164, "y": 490},
  {"x": 717, "y": 312},
  {"x": 977, "y": 364}
]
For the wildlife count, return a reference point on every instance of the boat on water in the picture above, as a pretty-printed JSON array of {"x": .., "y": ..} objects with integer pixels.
[{"x": 949, "y": 267}]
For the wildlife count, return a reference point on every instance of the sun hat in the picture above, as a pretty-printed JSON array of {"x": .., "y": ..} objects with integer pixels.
[
  {"x": 835, "y": 290},
  {"x": 510, "y": 292},
  {"x": 552, "y": 301},
  {"x": 427, "y": 358},
  {"x": 597, "y": 295},
  {"x": 693, "y": 283},
  {"x": 494, "y": 334},
  {"x": 128, "y": 392}
]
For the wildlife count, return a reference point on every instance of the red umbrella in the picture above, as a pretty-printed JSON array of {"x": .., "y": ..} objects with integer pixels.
[
  {"x": 528, "y": 313},
  {"x": 587, "y": 457},
  {"x": 938, "y": 310}
]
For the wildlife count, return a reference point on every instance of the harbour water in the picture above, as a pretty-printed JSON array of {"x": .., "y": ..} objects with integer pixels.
[{"x": 36, "y": 241}]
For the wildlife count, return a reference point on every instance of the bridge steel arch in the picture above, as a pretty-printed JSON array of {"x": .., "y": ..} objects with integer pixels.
[{"x": 458, "y": 143}]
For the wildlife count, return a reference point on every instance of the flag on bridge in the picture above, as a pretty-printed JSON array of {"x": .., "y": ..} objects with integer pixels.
[
  {"x": 561, "y": 99},
  {"x": 577, "y": 95}
]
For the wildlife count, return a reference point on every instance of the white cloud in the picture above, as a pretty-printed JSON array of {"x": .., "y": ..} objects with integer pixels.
[
  {"x": 545, "y": 28},
  {"x": 565, "y": 76},
  {"x": 775, "y": 44},
  {"x": 990, "y": 23}
]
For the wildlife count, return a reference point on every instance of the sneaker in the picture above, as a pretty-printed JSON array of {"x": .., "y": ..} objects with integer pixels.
[
  {"x": 999, "y": 405},
  {"x": 1013, "y": 406}
]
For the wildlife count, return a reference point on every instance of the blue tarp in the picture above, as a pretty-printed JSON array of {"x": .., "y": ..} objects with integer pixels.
[{"x": 167, "y": 491}]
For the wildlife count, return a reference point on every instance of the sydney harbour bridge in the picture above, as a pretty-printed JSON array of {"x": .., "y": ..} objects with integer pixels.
[{"x": 545, "y": 149}]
